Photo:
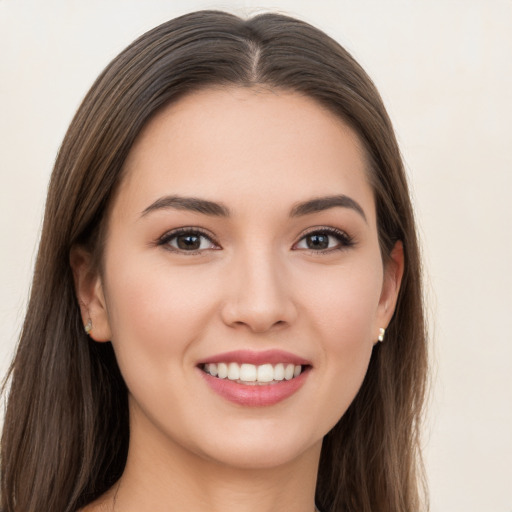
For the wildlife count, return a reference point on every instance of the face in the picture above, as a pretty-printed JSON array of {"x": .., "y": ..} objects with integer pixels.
[{"x": 242, "y": 241}]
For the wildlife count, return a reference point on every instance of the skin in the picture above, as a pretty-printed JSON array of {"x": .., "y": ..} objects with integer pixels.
[{"x": 255, "y": 285}]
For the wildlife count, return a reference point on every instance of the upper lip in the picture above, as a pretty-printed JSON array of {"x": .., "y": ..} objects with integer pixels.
[{"x": 256, "y": 357}]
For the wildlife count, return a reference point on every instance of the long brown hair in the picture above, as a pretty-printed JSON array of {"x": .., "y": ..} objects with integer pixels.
[{"x": 66, "y": 432}]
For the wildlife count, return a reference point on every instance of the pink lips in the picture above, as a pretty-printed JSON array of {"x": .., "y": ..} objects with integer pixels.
[
  {"x": 261, "y": 394},
  {"x": 248, "y": 356}
]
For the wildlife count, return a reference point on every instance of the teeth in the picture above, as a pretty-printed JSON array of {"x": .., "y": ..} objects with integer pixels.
[
  {"x": 248, "y": 373},
  {"x": 233, "y": 371},
  {"x": 251, "y": 373},
  {"x": 265, "y": 373},
  {"x": 222, "y": 370},
  {"x": 279, "y": 371},
  {"x": 288, "y": 371}
]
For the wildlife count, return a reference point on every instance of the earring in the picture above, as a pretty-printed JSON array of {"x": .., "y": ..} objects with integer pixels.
[
  {"x": 382, "y": 333},
  {"x": 88, "y": 326}
]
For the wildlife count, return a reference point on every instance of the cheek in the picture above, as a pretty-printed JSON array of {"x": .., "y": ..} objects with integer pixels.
[
  {"x": 344, "y": 303},
  {"x": 155, "y": 312},
  {"x": 344, "y": 319}
]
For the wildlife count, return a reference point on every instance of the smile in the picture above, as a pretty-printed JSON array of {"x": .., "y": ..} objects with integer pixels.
[
  {"x": 255, "y": 378},
  {"x": 252, "y": 374}
]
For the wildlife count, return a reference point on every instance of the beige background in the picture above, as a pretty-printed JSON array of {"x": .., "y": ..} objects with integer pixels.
[{"x": 444, "y": 69}]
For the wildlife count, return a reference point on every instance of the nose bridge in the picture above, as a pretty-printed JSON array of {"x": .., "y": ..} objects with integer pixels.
[{"x": 259, "y": 295}]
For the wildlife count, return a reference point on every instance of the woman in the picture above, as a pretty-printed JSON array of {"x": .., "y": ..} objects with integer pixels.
[{"x": 228, "y": 236}]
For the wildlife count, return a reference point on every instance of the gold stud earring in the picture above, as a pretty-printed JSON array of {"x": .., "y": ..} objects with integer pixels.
[
  {"x": 382, "y": 333},
  {"x": 88, "y": 326}
]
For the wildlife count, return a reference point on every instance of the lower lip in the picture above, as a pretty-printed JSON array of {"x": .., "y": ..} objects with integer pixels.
[{"x": 258, "y": 395}]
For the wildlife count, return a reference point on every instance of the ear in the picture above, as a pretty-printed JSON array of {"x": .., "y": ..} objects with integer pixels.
[
  {"x": 393, "y": 273},
  {"x": 89, "y": 291}
]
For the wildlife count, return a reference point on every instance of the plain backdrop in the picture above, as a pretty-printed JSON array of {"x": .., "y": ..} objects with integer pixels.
[{"x": 444, "y": 69}]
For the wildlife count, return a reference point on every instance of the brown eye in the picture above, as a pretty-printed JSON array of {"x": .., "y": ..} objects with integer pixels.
[
  {"x": 317, "y": 241},
  {"x": 187, "y": 241},
  {"x": 325, "y": 240}
]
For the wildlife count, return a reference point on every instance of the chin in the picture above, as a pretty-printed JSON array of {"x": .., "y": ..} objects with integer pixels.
[
  {"x": 263, "y": 456},
  {"x": 254, "y": 446}
]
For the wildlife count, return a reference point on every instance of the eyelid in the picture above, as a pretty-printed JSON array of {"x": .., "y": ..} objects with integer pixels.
[
  {"x": 345, "y": 240},
  {"x": 169, "y": 235}
]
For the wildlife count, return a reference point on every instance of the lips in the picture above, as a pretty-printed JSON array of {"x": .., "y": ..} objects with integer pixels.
[
  {"x": 256, "y": 357},
  {"x": 255, "y": 378}
]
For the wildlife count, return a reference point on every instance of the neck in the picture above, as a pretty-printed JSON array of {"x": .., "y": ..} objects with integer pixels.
[{"x": 161, "y": 475}]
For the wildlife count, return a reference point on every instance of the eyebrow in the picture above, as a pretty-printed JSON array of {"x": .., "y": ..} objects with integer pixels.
[
  {"x": 205, "y": 207},
  {"x": 321, "y": 204},
  {"x": 193, "y": 204}
]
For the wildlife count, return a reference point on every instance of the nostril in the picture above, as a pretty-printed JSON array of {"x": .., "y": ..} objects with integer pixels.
[
  {"x": 258, "y": 303},
  {"x": 258, "y": 324}
]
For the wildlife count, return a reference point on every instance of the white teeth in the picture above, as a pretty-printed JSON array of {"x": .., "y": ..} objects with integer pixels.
[
  {"x": 212, "y": 369},
  {"x": 248, "y": 373},
  {"x": 251, "y": 373},
  {"x": 265, "y": 373},
  {"x": 279, "y": 371},
  {"x": 222, "y": 370},
  {"x": 289, "y": 371},
  {"x": 233, "y": 371}
]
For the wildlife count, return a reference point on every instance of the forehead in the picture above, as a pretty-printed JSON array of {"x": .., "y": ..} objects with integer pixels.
[{"x": 243, "y": 143}]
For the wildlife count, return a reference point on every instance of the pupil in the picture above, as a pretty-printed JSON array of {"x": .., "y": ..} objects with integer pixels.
[
  {"x": 318, "y": 241},
  {"x": 189, "y": 242}
]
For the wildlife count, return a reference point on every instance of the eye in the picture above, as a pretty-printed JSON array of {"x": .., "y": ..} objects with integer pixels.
[
  {"x": 325, "y": 239},
  {"x": 187, "y": 240}
]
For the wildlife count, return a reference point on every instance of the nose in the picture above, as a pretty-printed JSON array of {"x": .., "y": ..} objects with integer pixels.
[{"x": 259, "y": 295}]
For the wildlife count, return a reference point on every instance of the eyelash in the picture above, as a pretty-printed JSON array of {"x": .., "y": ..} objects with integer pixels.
[
  {"x": 344, "y": 240},
  {"x": 190, "y": 231}
]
